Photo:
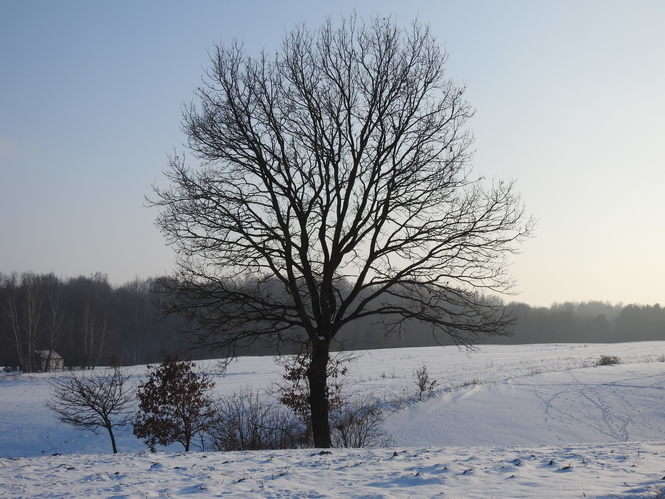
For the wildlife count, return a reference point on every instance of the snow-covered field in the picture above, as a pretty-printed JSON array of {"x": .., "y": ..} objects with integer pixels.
[
  {"x": 615, "y": 470},
  {"x": 507, "y": 421}
]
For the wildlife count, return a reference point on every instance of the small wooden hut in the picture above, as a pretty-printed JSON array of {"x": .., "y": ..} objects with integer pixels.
[{"x": 49, "y": 360}]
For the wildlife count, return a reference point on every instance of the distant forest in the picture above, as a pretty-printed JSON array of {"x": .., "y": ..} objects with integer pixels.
[{"x": 90, "y": 323}]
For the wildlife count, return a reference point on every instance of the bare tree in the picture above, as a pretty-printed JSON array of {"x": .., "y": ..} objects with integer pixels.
[
  {"x": 92, "y": 402},
  {"x": 424, "y": 382},
  {"x": 24, "y": 307},
  {"x": 55, "y": 315},
  {"x": 12, "y": 300},
  {"x": 339, "y": 169},
  {"x": 93, "y": 334}
]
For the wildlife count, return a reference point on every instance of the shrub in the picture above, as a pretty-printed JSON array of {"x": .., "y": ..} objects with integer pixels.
[
  {"x": 358, "y": 424},
  {"x": 353, "y": 424},
  {"x": 293, "y": 392},
  {"x": 424, "y": 382},
  {"x": 174, "y": 405},
  {"x": 608, "y": 360},
  {"x": 243, "y": 422}
]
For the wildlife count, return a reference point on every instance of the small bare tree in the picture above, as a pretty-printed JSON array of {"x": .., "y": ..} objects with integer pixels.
[
  {"x": 338, "y": 171},
  {"x": 424, "y": 382},
  {"x": 92, "y": 402}
]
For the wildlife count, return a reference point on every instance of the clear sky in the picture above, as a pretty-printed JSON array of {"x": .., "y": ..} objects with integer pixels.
[{"x": 570, "y": 100}]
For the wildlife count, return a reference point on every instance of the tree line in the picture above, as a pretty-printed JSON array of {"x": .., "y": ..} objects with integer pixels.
[
  {"x": 580, "y": 322},
  {"x": 90, "y": 322},
  {"x": 85, "y": 320}
]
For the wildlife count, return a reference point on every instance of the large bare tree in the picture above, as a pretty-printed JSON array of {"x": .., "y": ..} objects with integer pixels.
[{"x": 335, "y": 173}]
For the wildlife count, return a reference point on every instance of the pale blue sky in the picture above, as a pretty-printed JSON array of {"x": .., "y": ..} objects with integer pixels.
[{"x": 570, "y": 100}]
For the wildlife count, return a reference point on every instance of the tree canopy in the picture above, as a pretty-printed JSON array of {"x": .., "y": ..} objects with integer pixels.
[{"x": 339, "y": 168}]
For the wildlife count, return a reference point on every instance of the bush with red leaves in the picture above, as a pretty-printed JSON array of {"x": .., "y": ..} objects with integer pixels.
[{"x": 174, "y": 405}]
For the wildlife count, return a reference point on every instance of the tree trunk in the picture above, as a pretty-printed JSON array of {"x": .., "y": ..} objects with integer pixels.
[
  {"x": 318, "y": 399},
  {"x": 110, "y": 430},
  {"x": 12, "y": 311},
  {"x": 186, "y": 434}
]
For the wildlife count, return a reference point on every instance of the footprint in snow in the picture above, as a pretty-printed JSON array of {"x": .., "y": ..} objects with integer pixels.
[
  {"x": 194, "y": 489},
  {"x": 431, "y": 469}
]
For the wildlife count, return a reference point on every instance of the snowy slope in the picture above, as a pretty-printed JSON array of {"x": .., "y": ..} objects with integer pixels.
[
  {"x": 508, "y": 385},
  {"x": 603, "y": 404},
  {"x": 508, "y": 421}
]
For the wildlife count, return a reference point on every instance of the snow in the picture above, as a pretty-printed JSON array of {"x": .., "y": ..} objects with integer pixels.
[
  {"x": 632, "y": 469},
  {"x": 510, "y": 420},
  {"x": 604, "y": 404}
]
